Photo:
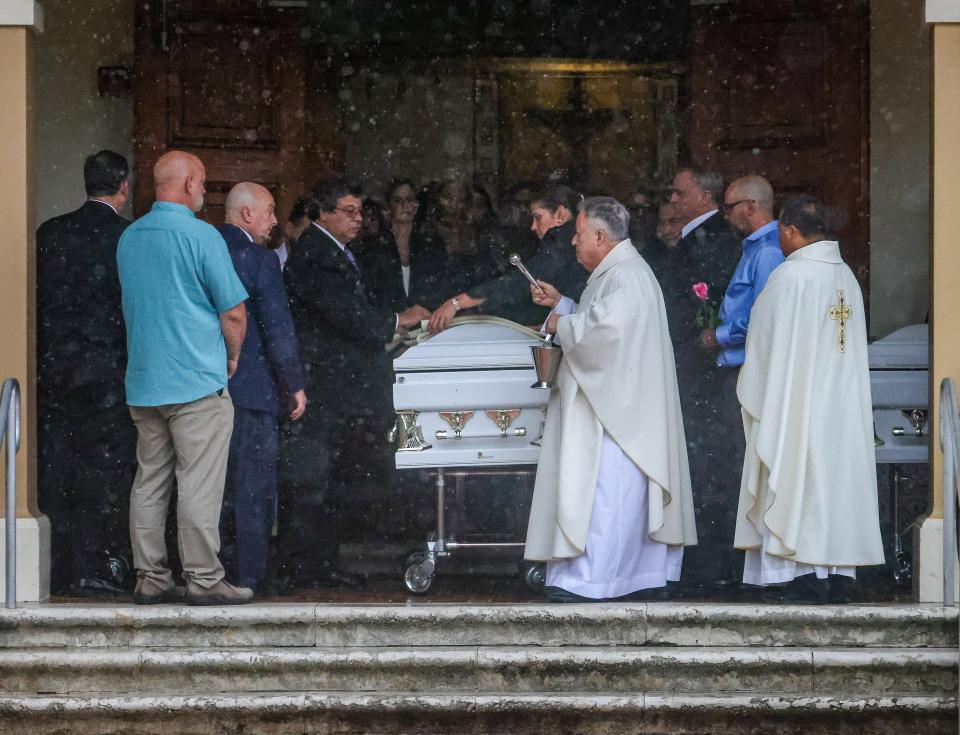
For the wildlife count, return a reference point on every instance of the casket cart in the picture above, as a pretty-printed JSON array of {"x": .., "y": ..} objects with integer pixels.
[
  {"x": 467, "y": 405},
  {"x": 900, "y": 389}
]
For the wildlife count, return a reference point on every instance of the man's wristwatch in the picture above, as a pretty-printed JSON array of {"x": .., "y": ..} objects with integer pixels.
[{"x": 455, "y": 303}]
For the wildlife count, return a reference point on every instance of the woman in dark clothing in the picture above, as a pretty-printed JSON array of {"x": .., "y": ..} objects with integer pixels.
[
  {"x": 553, "y": 211},
  {"x": 394, "y": 263},
  {"x": 464, "y": 257},
  {"x": 374, "y": 223}
]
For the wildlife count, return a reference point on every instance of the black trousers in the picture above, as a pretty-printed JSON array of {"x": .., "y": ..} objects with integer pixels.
[
  {"x": 715, "y": 446},
  {"x": 324, "y": 458},
  {"x": 86, "y": 455}
]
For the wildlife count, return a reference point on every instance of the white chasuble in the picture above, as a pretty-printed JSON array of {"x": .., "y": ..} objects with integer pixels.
[
  {"x": 808, "y": 493},
  {"x": 617, "y": 381}
]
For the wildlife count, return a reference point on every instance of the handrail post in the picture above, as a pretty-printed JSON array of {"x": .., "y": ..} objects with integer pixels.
[
  {"x": 10, "y": 432},
  {"x": 949, "y": 504},
  {"x": 950, "y": 446},
  {"x": 10, "y": 510}
]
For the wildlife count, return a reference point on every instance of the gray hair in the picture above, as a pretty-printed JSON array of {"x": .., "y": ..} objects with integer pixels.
[
  {"x": 609, "y": 213},
  {"x": 709, "y": 181}
]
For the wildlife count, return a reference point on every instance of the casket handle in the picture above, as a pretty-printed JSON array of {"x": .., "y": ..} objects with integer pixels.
[{"x": 443, "y": 434}]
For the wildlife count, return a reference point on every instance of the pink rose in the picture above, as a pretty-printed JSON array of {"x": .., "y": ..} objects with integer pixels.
[{"x": 701, "y": 291}]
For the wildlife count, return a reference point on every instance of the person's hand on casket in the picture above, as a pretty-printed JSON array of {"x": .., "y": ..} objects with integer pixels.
[
  {"x": 444, "y": 314},
  {"x": 412, "y": 317},
  {"x": 547, "y": 295}
]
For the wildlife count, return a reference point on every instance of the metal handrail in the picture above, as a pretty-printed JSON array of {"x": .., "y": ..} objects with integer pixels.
[
  {"x": 950, "y": 446},
  {"x": 10, "y": 431}
]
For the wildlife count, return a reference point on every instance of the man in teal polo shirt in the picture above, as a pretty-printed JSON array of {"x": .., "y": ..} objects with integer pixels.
[{"x": 183, "y": 305}]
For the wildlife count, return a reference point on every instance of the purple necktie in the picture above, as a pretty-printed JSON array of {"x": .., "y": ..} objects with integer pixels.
[{"x": 353, "y": 261}]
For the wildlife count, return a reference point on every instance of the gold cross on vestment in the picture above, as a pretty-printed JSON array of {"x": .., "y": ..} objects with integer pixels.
[{"x": 841, "y": 313}]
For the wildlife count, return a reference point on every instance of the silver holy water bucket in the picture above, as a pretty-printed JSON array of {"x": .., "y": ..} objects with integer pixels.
[{"x": 546, "y": 361}]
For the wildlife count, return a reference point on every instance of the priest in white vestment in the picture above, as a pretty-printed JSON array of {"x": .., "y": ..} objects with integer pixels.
[
  {"x": 612, "y": 506},
  {"x": 808, "y": 512}
]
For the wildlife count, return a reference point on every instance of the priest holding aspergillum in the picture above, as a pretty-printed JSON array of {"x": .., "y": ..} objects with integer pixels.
[
  {"x": 808, "y": 512},
  {"x": 612, "y": 506}
]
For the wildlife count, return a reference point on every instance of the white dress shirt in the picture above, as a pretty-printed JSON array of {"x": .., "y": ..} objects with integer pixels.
[{"x": 696, "y": 222}]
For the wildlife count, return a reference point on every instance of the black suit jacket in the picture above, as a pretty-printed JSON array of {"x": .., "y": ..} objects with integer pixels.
[
  {"x": 81, "y": 341},
  {"x": 382, "y": 274},
  {"x": 709, "y": 253},
  {"x": 269, "y": 360},
  {"x": 342, "y": 334},
  {"x": 555, "y": 262},
  {"x": 440, "y": 275}
]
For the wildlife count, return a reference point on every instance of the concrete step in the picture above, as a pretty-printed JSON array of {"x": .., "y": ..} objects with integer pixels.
[
  {"x": 851, "y": 671},
  {"x": 378, "y": 713},
  {"x": 425, "y": 624}
]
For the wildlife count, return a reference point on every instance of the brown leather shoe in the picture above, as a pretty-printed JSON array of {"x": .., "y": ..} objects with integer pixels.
[
  {"x": 222, "y": 593},
  {"x": 148, "y": 592}
]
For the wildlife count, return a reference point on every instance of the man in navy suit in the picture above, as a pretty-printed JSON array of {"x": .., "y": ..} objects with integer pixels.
[{"x": 268, "y": 371}]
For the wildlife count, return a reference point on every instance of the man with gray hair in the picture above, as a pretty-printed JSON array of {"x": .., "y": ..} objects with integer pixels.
[
  {"x": 705, "y": 257},
  {"x": 612, "y": 506},
  {"x": 748, "y": 207}
]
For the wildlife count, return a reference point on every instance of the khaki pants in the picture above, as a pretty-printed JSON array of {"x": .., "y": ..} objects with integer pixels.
[{"x": 190, "y": 441}]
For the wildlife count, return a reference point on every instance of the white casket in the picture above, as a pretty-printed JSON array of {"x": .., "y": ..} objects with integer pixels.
[
  {"x": 900, "y": 386},
  {"x": 464, "y": 397}
]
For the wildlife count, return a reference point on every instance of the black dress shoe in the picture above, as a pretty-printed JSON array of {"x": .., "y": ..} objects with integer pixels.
[
  {"x": 96, "y": 586},
  {"x": 559, "y": 594},
  {"x": 805, "y": 590},
  {"x": 841, "y": 588},
  {"x": 333, "y": 577},
  {"x": 652, "y": 594},
  {"x": 272, "y": 588},
  {"x": 726, "y": 584}
]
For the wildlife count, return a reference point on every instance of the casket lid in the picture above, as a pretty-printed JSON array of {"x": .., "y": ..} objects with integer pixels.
[
  {"x": 907, "y": 348},
  {"x": 472, "y": 343}
]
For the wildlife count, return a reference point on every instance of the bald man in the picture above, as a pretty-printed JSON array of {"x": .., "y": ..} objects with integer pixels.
[
  {"x": 748, "y": 207},
  {"x": 183, "y": 306},
  {"x": 268, "y": 383}
]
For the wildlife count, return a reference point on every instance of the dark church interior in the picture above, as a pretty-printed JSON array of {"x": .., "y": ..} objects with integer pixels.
[{"x": 609, "y": 98}]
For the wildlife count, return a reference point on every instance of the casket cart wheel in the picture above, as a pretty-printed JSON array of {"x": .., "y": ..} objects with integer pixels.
[
  {"x": 535, "y": 576},
  {"x": 418, "y": 573}
]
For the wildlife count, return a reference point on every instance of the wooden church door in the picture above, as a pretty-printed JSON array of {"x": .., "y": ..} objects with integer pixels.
[
  {"x": 778, "y": 88},
  {"x": 224, "y": 81}
]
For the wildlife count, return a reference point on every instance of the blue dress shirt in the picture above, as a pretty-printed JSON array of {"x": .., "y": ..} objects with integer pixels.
[{"x": 761, "y": 254}]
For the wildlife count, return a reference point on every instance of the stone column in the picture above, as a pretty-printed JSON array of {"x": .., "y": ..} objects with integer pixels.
[
  {"x": 19, "y": 21},
  {"x": 944, "y": 17}
]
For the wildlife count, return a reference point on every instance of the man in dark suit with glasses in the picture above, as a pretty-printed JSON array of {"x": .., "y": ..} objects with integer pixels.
[{"x": 341, "y": 442}]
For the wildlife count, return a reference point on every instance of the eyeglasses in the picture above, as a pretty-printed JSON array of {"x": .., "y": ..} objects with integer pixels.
[
  {"x": 351, "y": 212},
  {"x": 728, "y": 208}
]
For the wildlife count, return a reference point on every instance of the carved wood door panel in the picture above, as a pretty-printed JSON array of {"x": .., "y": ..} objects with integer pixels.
[
  {"x": 779, "y": 89},
  {"x": 227, "y": 87}
]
